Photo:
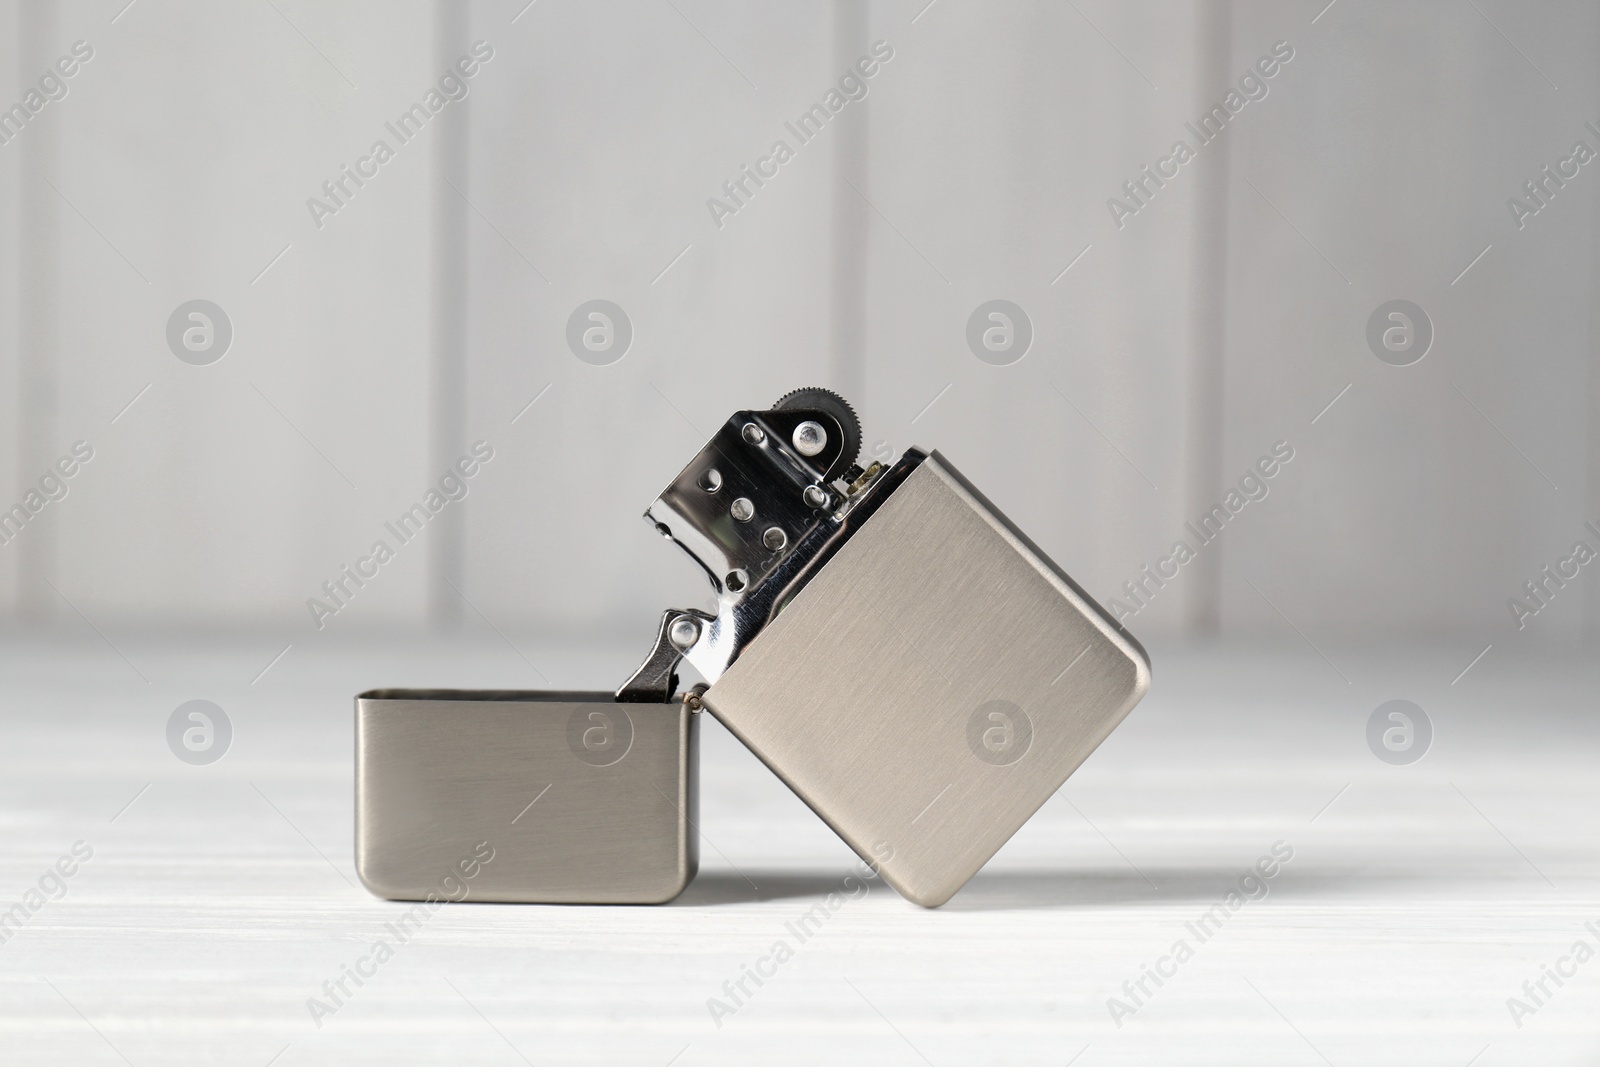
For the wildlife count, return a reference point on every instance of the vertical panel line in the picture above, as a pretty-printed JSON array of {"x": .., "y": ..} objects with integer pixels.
[
  {"x": 1208, "y": 323},
  {"x": 448, "y": 344}
]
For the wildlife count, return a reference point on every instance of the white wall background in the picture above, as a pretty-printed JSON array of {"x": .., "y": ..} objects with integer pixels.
[{"x": 431, "y": 309}]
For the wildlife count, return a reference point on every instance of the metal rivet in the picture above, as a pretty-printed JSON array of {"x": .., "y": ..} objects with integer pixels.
[
  {"x": 816, "y": 496},
  {"x": 736, "y": 581},
  {"x": 742, "y": 510},
  {"x": 774, "y": 538},
  {"x": 753, "y": 433},
  {"x": 810, "y": 438},
  {"x": 684, "y": 631},
  {"x": 710, "y": 479}
]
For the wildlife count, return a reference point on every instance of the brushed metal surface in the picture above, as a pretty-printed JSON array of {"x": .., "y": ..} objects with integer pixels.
[
  {"x": 575, "y": 809},
  {"x": 874, "y": 693}
]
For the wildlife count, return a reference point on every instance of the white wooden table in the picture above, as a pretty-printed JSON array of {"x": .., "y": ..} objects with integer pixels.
[{"x": 1418, "y": 899}]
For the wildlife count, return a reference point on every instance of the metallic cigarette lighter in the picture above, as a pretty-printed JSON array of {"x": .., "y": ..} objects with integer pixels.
[
  {"x": 886, "y": 641},
  {"x": 535, "y": 797}
]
